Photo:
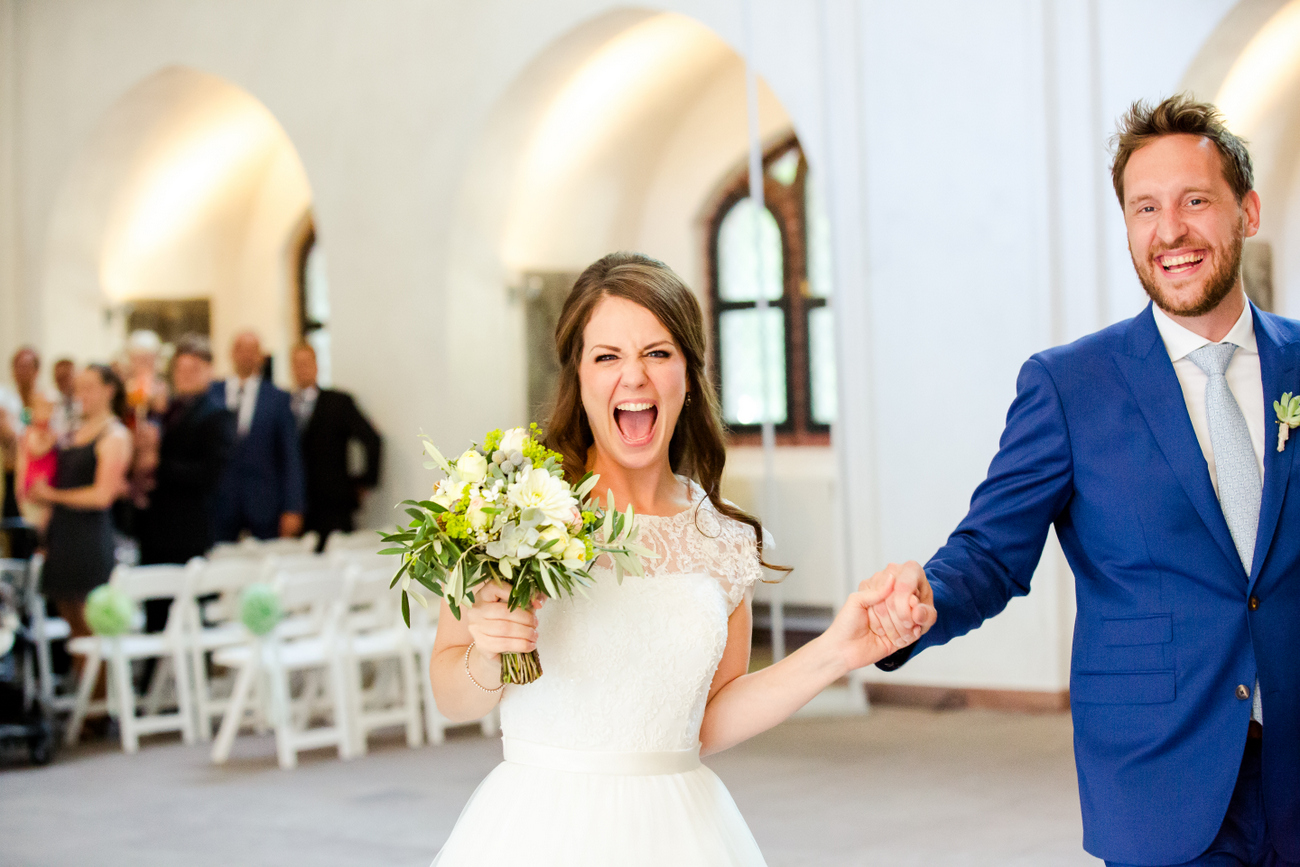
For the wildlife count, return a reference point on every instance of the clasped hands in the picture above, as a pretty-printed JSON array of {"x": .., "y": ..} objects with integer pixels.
[{"x": 889, "y": 611}]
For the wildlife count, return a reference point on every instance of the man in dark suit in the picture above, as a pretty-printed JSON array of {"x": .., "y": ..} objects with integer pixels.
[
  {"x": 183, "y": 457},
  {"x": 1155, "y": 449},
  {"x": 261, "y": 490},
  {"x": 186, "y": 454},
  {"x": 328, "y": 421}
]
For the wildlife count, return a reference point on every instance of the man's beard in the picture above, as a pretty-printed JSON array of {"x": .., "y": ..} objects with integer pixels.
[{"x": 1217, "y": 285}]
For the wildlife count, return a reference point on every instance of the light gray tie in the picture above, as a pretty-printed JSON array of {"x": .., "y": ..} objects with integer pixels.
[{"x": 1240, "y": 488}]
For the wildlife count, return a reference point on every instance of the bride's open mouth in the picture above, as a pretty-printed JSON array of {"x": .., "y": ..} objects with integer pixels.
[{"x": 636, "y": 422}]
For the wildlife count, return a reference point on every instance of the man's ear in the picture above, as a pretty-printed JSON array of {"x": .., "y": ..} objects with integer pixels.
[{"x": 1250, "y": 208}]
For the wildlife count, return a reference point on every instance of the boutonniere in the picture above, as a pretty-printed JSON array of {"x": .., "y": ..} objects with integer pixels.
[{"x": 1288, "y": 416}]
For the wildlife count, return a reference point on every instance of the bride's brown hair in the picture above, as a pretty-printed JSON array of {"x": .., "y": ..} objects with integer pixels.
[{"x": 697, "y": 449}]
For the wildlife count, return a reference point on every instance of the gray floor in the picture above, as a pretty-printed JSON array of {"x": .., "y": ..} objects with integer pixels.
[{"x": 898, "y": 787}]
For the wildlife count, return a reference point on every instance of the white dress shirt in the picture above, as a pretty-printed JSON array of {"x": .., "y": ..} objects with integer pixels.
[
  {"x": 1244, "y": 381},
  {"x": 242, "y": 405},
  {"x": 303, "y": 405}
]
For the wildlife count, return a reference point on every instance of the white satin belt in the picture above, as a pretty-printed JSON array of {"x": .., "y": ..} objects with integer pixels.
[{"x": 599, "y": 762}]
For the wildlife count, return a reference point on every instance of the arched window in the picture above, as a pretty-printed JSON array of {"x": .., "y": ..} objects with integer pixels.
[
  {"x": 314, "y": 302},
  {"x": 781, "y": 254}
]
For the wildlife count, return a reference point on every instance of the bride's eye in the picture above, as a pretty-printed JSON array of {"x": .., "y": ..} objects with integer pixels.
[
  {"x": 605, "y": 356},
  {"x": 660, "y": 353}
]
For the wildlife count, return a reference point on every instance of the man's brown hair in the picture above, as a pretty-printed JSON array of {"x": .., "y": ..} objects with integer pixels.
[{"x": 1180, "y": 115}]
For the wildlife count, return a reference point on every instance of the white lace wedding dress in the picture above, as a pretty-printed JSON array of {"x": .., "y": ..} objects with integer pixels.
[{"x": 602, "y": 760}]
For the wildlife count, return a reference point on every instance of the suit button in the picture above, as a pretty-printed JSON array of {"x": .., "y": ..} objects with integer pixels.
[
  {"x": 1253, "y": 604},
  {"x": 1243, "y": 692}
]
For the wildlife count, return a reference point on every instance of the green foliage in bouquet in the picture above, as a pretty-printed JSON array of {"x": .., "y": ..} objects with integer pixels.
[
  {"x": 109, "y": 611},
  {"x": 505, "y": 514},
  {"x": 259, "y": 608}
]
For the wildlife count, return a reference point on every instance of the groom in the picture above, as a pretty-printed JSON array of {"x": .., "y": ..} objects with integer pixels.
[{"x": 1153, "y": 448}]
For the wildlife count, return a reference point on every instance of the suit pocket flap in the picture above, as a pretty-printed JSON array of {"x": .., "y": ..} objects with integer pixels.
[
  {"x": 1122, "y": 687},
  {"x": 1130, "y": 631}
]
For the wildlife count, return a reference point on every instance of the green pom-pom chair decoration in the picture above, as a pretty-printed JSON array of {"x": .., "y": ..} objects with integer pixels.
[
  {"x": 259, "y": 608},
  {"x": 109, "y": 611}
]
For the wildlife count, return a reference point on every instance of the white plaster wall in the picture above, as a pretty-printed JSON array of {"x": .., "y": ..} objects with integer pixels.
[
  {"x": 967, "y": 215},
  {"x": 11, "y": 313}
]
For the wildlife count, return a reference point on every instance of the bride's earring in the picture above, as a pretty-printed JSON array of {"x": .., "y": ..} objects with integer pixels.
[{"x": 688, "y": 398}]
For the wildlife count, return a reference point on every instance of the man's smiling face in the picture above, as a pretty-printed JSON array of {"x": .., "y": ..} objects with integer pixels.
[{"x": 1185, "y": 226}]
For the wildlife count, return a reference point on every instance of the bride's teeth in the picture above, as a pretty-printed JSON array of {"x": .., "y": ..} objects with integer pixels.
[{"x": 634, "y": 407}]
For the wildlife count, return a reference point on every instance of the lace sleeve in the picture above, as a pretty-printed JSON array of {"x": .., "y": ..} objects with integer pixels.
[
  {"x": 736, "y": 566},
  {"x": 701, "y": 541}
]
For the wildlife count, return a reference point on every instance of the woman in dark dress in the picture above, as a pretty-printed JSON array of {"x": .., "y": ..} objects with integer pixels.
[{"x": 91, "y": 475}]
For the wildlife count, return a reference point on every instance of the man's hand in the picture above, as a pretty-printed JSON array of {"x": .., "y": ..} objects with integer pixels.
[
  {"x": 858, "y": 635},
  {"x": 290, "y": 525},
  {"x": 907, "y": 612}
]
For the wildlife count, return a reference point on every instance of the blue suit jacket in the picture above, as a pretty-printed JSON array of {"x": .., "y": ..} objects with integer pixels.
[
  {"x": 263, "y": 477},
  {"x": 1099, "y": 442}
]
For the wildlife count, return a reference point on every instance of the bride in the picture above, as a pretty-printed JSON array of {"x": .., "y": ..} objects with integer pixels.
[{"x": 602, "y": 753}]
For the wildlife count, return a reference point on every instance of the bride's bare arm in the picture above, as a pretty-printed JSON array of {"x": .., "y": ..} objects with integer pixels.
[
  {"x": 493, "y": 629},
  {"x": 742, "y": 705}
]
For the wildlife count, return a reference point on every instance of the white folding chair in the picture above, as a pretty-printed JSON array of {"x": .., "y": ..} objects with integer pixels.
[
  {"x": 376, "y": 637},
  {"x": 118, "y": 652},
  {"x": 212, "y": 622},
  {"x": 306, "y": 642},
  {"x": 45, "y": 630}
]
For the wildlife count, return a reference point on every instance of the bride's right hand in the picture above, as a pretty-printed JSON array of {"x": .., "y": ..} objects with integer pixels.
[{"x": 495, "y": 629}]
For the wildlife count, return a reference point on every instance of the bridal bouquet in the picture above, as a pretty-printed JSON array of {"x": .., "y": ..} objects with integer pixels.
[{"x": 504, "y": 513}]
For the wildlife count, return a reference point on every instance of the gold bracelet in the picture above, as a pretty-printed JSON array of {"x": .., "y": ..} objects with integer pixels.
[{"x": 470, "y": 674}]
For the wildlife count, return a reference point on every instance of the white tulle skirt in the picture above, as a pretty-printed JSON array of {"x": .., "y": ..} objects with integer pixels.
[{"x": 544, "y": 806}]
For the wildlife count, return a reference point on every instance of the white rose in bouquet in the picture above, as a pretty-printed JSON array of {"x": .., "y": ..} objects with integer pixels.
[
  {"x": 513, "y": 440},
  {"x": 561, "y": 538},
  {"x": 478, "y": 519},
  {"x": 471, "y": 467},
  {"x": 575, "y": 552}
]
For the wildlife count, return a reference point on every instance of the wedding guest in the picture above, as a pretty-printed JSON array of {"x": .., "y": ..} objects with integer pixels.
[
  {"x": 11, "y": 411},
  {"x": 328, "y": 421},
  {"x": 66, "y": 410},
  {"x": 261, "y": 489},
  {"x": 146, "y": 392},
  {"x": 184, "y": 454},
  {"x": 37, "y": 461},
  {"x": 26, "y": 365},
  {"x": 90, "y": 476}
]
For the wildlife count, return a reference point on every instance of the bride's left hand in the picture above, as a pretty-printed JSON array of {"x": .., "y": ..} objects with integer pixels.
[{"x": 858, "y": 633}]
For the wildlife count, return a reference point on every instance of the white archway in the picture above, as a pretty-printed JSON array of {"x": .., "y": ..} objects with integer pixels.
[
  {"x": 613, "y": 138},
  {"x": 187, "y": 189},
  {"x": 617, "y": 136},
  {"x": 1250, "y": 68}
]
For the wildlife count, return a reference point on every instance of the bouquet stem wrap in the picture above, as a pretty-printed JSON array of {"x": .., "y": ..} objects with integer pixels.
[{"x": 505, "y": 513}]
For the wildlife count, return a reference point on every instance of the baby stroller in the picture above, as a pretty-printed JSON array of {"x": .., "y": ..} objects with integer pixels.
[{"x": 24, "y": 720}]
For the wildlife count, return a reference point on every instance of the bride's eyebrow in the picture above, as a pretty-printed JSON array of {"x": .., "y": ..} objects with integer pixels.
[{"x": 607, "y": 348}]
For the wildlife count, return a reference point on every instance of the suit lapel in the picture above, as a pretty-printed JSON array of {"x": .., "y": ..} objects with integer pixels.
[
  {"x": 1151, "y": 378},
  {"x": 1277, "y": 369}
]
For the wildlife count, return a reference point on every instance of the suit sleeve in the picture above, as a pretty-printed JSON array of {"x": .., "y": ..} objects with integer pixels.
[
  {"x": 360, "y": 429},
  {"x": 993, "y": 553},
  {"x": 215, "y": 437},
  {"x": 286, "y": 433}
]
